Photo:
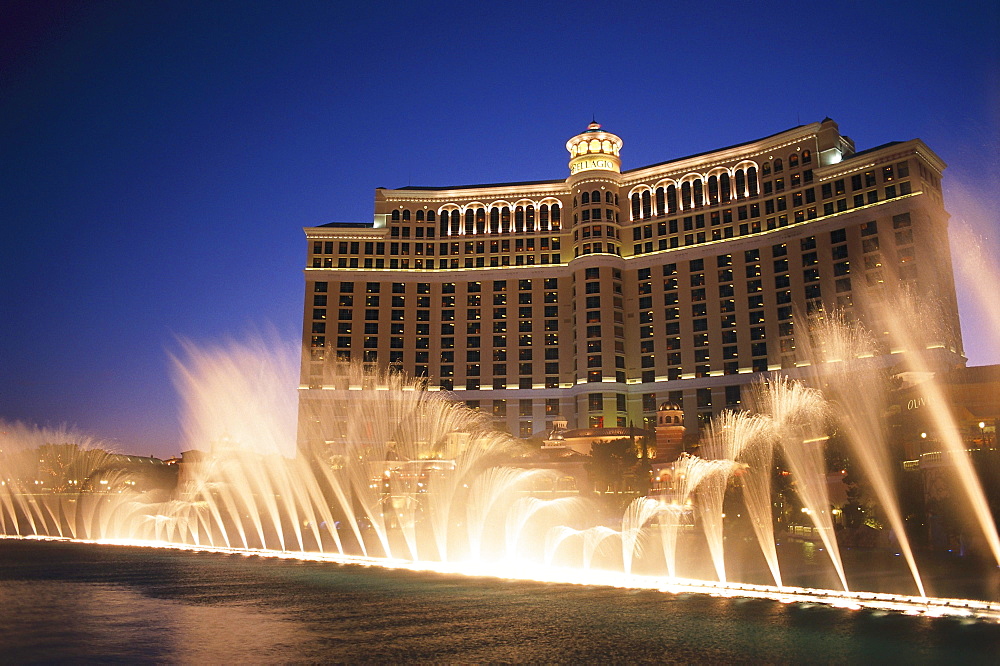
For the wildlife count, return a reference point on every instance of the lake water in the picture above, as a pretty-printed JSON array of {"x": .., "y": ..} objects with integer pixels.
[{"x": 66, "y": 602}]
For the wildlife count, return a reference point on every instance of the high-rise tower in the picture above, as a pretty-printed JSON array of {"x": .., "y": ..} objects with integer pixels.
[{"x": 597, "y": 297}]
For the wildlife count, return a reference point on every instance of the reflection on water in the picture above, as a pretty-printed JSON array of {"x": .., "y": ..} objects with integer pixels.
[
  {"x": 63, "y": 601},
  {"x": 91, "y": 621}
]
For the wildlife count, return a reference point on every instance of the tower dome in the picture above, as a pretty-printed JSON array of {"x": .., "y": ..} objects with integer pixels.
[
  {"x": 669, "y": 413},
  {"x": 594, "y": 149}
]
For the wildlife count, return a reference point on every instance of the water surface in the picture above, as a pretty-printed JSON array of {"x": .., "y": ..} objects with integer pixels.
[{"x": 87, "y": 603}]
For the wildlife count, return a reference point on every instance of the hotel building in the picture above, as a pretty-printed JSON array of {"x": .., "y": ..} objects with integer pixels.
[{"x": 595, "y": 298}]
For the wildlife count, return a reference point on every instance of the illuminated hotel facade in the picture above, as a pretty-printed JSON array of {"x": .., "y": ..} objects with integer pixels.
[{"x": 595, "y": 298}]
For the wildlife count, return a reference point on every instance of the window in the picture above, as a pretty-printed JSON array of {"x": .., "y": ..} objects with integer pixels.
[{"x": 704, "y": 398}]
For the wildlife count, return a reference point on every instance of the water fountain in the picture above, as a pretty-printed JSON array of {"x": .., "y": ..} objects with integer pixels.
[
  {"x": 407, "y": 477},
  {"x": 847, "y": 353},
  {"x": 798, "y": 419}
]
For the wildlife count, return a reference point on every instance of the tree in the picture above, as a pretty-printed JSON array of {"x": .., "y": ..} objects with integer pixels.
[{"x": 616, "y": 467}]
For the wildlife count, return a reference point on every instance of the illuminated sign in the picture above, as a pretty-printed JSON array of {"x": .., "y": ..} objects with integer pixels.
[{"x": 589, "y": 163}]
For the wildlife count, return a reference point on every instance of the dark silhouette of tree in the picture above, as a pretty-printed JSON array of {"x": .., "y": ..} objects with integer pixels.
[{"x": 617, "y": 469}]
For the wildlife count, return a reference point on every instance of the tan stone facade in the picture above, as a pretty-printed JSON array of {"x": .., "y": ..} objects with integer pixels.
[{"x": 602, "y": 295}]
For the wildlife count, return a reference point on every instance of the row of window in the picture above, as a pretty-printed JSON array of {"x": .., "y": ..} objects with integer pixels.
[
  {"x": 597, "y": 248},
  {"x": 443, "y": 249},
  {"x": 692, "y": 192},
  {"x": 472, "y": 300},
  {"x": 523, "y": 284},
  {"x": 771, "y": 206},
  {"x": 671, "y": 199},
  {"x": 596, "y": 198},
  {"x": 498, "y": 220},
  {"x": 596, "y": 215},
  {"x": 432, "y": 264}
]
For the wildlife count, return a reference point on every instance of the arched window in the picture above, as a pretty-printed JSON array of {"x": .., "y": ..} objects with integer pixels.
[
  {"x": 699, "y": 195},
  {"x": 420, "y": 216},
  {"x": 635, "y": 205},
  {"x": 595, "y": 196},
  {"x": 765, "y": 169},
  {"x": 807, "y": 157},
  {"x": 607, "y": 197},
  {"x": 555, "y": 217},
  {"x": 406, "y": 215},
  {"x": 778, "y": 167},
  {"x": 431, "y": 216},
  {"x": 456, "y": 221},
  {"x": 741, "y": 184},
  {"x": 585, "y": 198},
  {"x": 505, "y": 219},
  {"x": 495, "y": 220},
  {"x": 713, "y": 189},
  {"x": 470, "y": 221},
  {"x": 661, "y": 201},
  {"x": 752, "y": 180},
  {"x": 529, "y": 218},
  {"x": 724, "y": 187},
  {"x": 543, "y": 217},
  {"x": 395, "y": 216},
  {"x": 793, "y": 161},
  {"x": 685, "y": 195},
  {"x": 519, "y": 218},
  {"x": 480, "y": 220},
  {"x": 647, "y": 204},
  {"x": 671, "y": 199}
]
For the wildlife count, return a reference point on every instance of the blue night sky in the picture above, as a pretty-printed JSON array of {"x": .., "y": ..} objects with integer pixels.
[{"x": 161, "y": 158}]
